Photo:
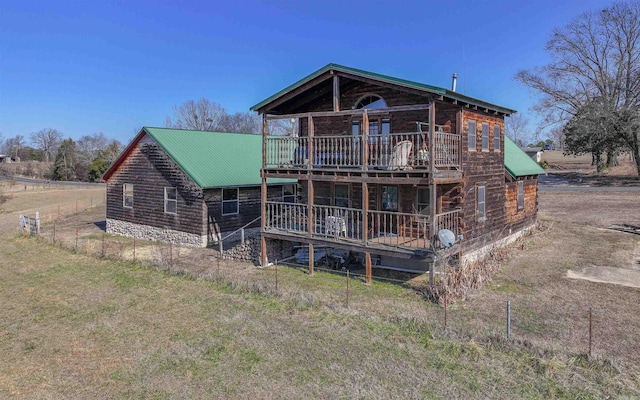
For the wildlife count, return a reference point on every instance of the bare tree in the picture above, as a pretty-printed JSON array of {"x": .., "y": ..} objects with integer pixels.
[
  {"x": 203, "y": 115},
  {"x": 240, "y": 123},
  {"x": 47, "y": 140},
  {"x": 595, "y": 60},
  {"x": 516, "y": 128},
  {"x": 13, "y": 145}
]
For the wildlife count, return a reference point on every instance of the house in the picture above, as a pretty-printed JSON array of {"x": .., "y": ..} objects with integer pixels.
[
  {"x": 385, "y": 165},
  {"x": 534, "y": 152},
  {"x": 188, "y": 187}
]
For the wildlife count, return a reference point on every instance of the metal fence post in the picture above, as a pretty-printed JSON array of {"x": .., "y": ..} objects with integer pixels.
[{"x": 508, "y": 319}]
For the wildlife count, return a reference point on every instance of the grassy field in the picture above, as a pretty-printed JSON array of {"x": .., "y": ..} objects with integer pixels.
[{"x": 74, "y": 326}]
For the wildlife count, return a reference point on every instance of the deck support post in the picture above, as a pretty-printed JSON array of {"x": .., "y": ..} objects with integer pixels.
[
  {"x": 367, "y": 269},
  {"x": 310, "y": 194},
  {"x": 263, "y": 197}
]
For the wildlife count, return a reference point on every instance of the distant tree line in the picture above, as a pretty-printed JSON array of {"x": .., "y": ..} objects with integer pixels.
[
  {"x": 590, "y": 90},
  {"x": 85, "y": 159}
]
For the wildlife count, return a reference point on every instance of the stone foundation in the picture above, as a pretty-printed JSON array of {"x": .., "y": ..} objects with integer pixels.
[
  {"x": 153, "y": 233},
  {"x": 485, "y": 251},
  {"x": 250, "y": 250}
]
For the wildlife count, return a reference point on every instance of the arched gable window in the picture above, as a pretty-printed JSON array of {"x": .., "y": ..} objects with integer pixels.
[{"x": 370, "y": 102}]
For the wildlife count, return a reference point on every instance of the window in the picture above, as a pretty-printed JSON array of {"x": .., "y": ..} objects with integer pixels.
[
  {"x": 423, "y": 200},
  {"x": 341, "y": 195},
  {"x": 127, "y": 195},
  {"x": 496, "y": 137},
  {"x": 289, "y": 193},
  {"x": 485, "y": 136},
  {"x": 389, "y": 198},
  {"x": 472, "y": 134},
  {"x": 230, "y": 202},
  {"x": 482, "y": 212},
  {"x": 370, "y": 102},
  {"x": 170, "y": 200},
  {"x": 520, "y": 195}
]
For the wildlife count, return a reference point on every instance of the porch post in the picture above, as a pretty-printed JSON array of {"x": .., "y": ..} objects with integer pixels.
[
  {"x": 365, "y": 230},
  {"x": 263, "y": 194},
  {"x": 310, "y": 193},
  {"x": 336, "y": 93},
  {"x": 365, "y": 141},
  {"x": 432, "y": 187}
]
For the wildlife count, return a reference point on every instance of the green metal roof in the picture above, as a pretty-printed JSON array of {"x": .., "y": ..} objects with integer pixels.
[
  {"x": 210, "y": 159},
  {"x": 517, "y": 162},
  {"x": 388, "y": 79}
]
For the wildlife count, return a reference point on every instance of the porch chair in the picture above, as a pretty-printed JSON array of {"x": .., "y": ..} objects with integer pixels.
[{"x": 400, "y": 155}]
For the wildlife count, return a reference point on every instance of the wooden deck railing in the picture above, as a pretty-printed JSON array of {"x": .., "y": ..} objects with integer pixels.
[
  {"x": 385, "y": 228},
  {"x": 392, "y": 151}
]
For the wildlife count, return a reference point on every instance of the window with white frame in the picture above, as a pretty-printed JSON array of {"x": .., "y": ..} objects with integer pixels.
[
  {"x": 289, "y": 193},
  {"x": 341, "y": 195},
  {"x": 471, "y": 125},
  {"x": 127, "y": 195},
  {"x": 170, "y": 200},
  {"x": 497, "y": 130},
  {"x": 481, "y": 205},
  {"x": 520, "y": 195},
  {"x": 485, "y": 136},
  {"x": 230, "y": 201}
]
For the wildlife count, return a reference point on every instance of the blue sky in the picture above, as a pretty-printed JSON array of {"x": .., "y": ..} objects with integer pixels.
[{"x": 114, "y": 66}]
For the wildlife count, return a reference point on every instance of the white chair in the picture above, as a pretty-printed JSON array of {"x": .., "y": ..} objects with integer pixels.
[
  {"x": 335, "y": 226},
  {"x": 400, "y": 155}
]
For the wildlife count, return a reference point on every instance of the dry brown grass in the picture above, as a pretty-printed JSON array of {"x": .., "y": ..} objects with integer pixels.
[{"x": 80, "y": 327}]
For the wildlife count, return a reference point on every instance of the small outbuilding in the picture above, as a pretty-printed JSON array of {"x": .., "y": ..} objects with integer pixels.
[{"x": 188, "y": 187}]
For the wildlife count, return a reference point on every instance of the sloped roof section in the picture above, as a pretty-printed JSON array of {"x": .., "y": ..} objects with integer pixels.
[
  {"x": 387, "y": 79},
  {"x": 517, "y": 162},
  {"x": 210, "y": 159}
]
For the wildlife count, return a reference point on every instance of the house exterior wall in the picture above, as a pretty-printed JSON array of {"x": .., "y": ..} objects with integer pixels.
[
  {"x": 248, "y": 210},
  {"x": 150, "y": 170},
  {"x": 482, "y": 168}
]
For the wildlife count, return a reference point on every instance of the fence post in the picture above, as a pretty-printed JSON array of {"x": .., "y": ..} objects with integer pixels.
[
  {"x": 508, "y": 319},
  {"x": 38, "y": 223},
  {"x": 445, "y": 310},
  {"x": 220, "y": 247},
  {"x": 347, "y": 299},
  {"x": 242, "y": 236},
  {"x": 590, "y": 331}
]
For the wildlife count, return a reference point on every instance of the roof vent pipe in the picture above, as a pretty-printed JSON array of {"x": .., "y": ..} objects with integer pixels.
[{"x": 454, "y": 80}]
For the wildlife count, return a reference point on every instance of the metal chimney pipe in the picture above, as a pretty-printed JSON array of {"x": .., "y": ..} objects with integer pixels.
[{"x": 454, "y": 80}]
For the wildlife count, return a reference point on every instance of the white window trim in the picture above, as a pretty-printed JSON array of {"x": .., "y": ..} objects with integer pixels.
[
  {"x": 520, "y": 195},
  {"x": 483, "y": 137},
  {"x": 124, "y": 195},
  {"x": 475, "y": 134},
  {"x": 167, "y": 200},
  {"x": 237, "y": 201},
  {"x": 483, "y": 202}
]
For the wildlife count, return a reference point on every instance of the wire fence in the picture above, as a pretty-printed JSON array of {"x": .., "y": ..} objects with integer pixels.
[{"x": 580, "y": 329}]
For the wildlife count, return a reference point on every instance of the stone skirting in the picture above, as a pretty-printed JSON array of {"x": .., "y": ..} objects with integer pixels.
[
  {"x": 153, "y": 233},
  {"x": 483, "y": 252}
]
